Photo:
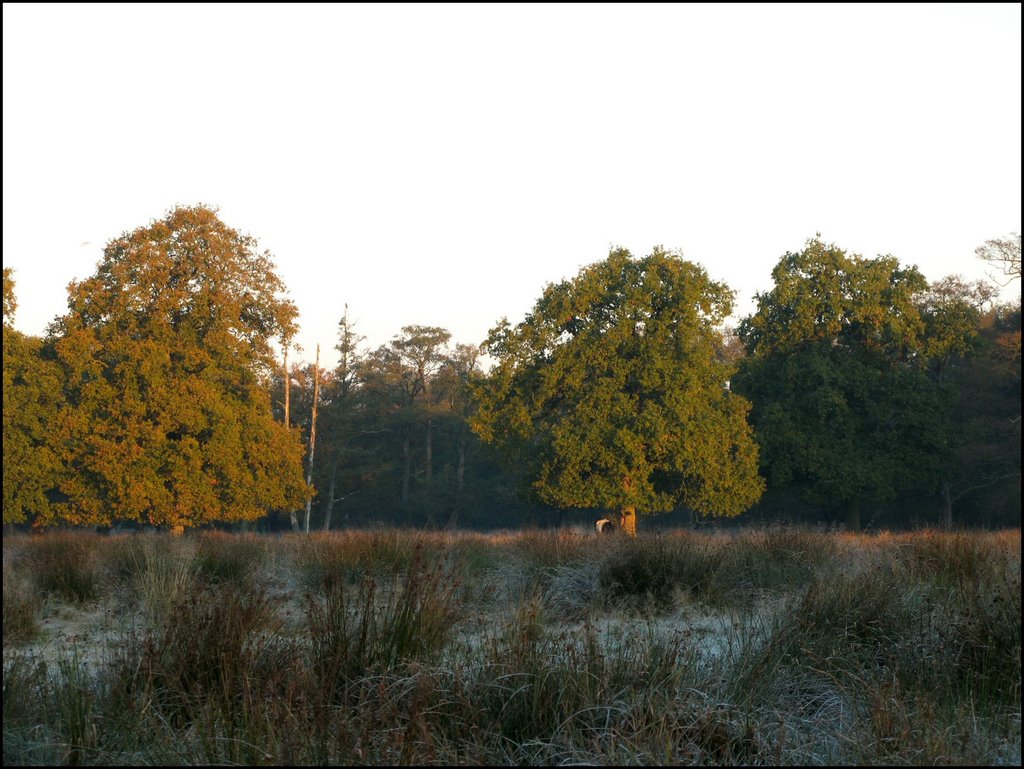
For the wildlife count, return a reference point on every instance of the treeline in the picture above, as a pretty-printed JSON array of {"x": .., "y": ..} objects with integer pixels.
[
  {"x": 856, "y": 392},
  {"x": 878, "y": 397},
  {"x": 393, "y": 440}
]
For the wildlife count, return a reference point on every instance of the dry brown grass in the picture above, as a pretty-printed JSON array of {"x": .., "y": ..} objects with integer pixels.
[{"x": 779, "y": 646}]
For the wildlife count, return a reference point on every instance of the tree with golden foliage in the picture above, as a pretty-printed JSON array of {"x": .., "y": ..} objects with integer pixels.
[
  {"x": 166, "y": 357},
  {"x": 31, "y": 397}
]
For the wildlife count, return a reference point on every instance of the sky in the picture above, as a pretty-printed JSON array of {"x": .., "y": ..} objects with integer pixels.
[{"x": 440, "y": 164}]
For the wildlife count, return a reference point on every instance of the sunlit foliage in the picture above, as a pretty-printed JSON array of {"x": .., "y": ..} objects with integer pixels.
[
  {"x": 165, "y": 352},
  {"x": 612, "y": 392},
  {"x": 31, "y": 396}
]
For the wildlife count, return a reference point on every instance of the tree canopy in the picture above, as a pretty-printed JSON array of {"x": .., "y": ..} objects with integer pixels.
[
  {"x": 613, "y": 392},
  {"x": 165, "y": 355},
  {"x": 843, "y": 409},
  {"x": 158, "y": 398},
  {"x": 31, "y": 398}
]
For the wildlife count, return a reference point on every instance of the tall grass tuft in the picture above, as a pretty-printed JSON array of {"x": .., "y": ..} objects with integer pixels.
[
  {"x": 63, "y": 564},
  {"x": 27, "y": 737},
  {"x": 228, "y": 558},
  {"x": 380, "y": 625},
  {"x": 982, "y": 639},
  {"x": 346, "y": 556},
  {"x": 21, "y": 608},
  {"x": 215, "y": 647},
  {"x": 653, "y": 572},
  {"x": 771, "y": 561},
  {"x": 163, "y": 574}
]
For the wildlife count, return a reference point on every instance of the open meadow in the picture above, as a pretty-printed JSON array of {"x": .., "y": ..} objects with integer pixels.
[{"x": 772, "y": 646}]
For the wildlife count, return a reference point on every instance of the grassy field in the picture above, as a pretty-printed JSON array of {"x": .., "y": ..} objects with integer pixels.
[{"x": 775, "y": 646}]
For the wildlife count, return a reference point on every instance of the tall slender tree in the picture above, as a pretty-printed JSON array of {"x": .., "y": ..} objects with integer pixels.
[
  {"x": 422, "y": 350},
  {"x": 312, "y": 434},
  {"x": 389, "y": 391},
  {"x": 342, "y": 415}
]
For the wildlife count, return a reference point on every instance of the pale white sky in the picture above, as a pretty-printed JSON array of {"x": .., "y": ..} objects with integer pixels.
[{"x": 439, "y": 164}]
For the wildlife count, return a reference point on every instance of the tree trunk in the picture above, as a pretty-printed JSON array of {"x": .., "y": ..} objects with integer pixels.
[
  {"x": 329, "y": 502},
  {"x": 453, "y": 519},
  {"x": 946, "y": 512},
  {"x": 853, "y": 516},
  {"x": 627, "y": 520},
  {"x": 627, "y": 516},
  {"x": 430, "y": 454},
  {"x": 460, "y": 472},
  {"x": 312, "y": 432},
  {"x": 407, "y": 469},
  {"x": 287, "y": 424}
]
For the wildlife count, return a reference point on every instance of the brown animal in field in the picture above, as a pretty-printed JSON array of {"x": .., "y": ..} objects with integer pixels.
[{"x": 604, "y": 526}]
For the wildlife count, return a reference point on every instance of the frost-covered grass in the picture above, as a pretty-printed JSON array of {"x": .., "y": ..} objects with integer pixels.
[{"x": 772, "y": 646}]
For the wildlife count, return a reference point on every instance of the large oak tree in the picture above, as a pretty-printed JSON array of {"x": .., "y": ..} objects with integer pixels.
[
  {"x": 166, "y": 352},
  {"x": 842, "y": 406},
  {"x": 613, "y": 392}
]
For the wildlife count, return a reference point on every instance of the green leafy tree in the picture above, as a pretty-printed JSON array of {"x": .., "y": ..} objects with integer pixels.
[
  {"x": 343, "y": 454},
  {"x": 613, "y": 394},
  {"x": 981, "y": 476},
  {"x": 974, "y": 354},
  {"x": 453, "y": 405},
  {"x": 453, "y": 390},
  {"x": 397, "y": 384},
  {"x": 951, "y": 310},
  {"x": 166, "y": 354},
  {"x": 423, "y": 351},
  {"x": 389, "y": 389},
  {"x": 31, "y": 398},
  {"x": 842, "y": 405}
]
